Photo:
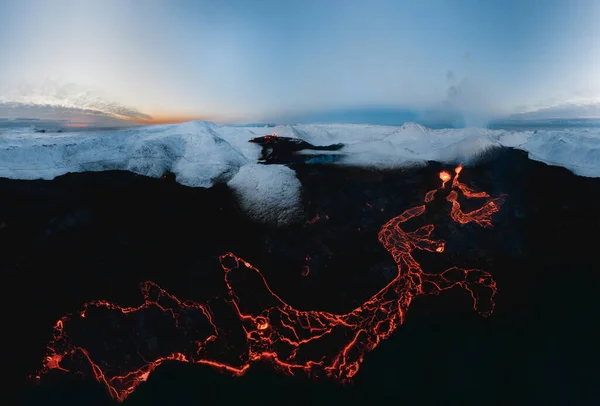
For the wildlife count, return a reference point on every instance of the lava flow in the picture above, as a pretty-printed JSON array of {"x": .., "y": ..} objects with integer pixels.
[{"x": 318, "y": 343}]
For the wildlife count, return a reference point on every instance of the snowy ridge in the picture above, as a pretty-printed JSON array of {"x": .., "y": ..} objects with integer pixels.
[
  {"x": 202, "y": 153},
  {"x": 193, "y": 151}
]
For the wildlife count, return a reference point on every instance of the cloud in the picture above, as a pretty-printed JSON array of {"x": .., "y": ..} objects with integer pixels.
[
  {"x": 469, "y": 98},
  {"x": 466, "y": 100},
  {"x": 18, "y": 112},
  {"x": 68, "y": 96},
  {"x": 584, "y": 109}
]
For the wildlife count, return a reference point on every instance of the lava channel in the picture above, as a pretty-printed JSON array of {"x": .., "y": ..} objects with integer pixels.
[{"x": 314, "y": 342}]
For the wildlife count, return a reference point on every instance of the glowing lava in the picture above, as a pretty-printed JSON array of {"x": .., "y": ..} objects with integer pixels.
[
  {"x": 316, "y": 342},
  {"x": 267, "y": 139},
  {"x": 317, "y": 218},
  {"x": 445, "y": 177}
]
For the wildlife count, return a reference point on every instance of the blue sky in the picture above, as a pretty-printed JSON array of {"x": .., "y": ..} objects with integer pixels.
[{"x": 242, "y": 60}]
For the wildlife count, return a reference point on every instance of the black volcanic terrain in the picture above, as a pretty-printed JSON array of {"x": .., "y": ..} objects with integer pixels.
[{"x": 89, "y": 236}]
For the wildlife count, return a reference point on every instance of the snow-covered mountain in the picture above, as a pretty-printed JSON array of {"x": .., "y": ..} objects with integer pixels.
[{"x": 202, "y": 153}]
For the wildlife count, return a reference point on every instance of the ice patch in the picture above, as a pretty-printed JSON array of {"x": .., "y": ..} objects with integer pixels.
[
  {"x": 268, "y": 193},
  {"x": 378, "y": 155},
  {"x": 514, "y": 139},
  {"x": 577, "y": 151},
  {"x": 413, "y": 144}
]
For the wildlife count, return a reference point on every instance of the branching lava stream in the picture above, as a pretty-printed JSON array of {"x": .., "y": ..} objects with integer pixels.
[{"x": 315, "y": 342}]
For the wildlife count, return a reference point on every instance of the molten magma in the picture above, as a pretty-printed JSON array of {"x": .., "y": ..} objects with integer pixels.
[
  {"x": 318, "y": 343},
  {"x": 266, "y": 139},
  {"x": 445, "y": 177}
]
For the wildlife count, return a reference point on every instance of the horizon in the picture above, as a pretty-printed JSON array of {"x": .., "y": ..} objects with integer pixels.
[{"x": 516, "y": 124}]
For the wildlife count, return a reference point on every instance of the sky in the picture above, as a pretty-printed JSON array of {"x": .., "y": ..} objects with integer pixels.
[{"x": 156, "y": 61}]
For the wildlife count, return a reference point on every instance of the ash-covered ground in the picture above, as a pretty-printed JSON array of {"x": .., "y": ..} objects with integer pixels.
[{"x": 88, "y": 236}]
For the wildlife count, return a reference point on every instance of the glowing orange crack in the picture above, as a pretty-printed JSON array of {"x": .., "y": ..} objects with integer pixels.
[{"x": 286, "y": 337}]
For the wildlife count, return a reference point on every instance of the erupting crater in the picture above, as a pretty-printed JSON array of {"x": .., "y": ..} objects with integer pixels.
[{"x": 318, "y": 343}]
